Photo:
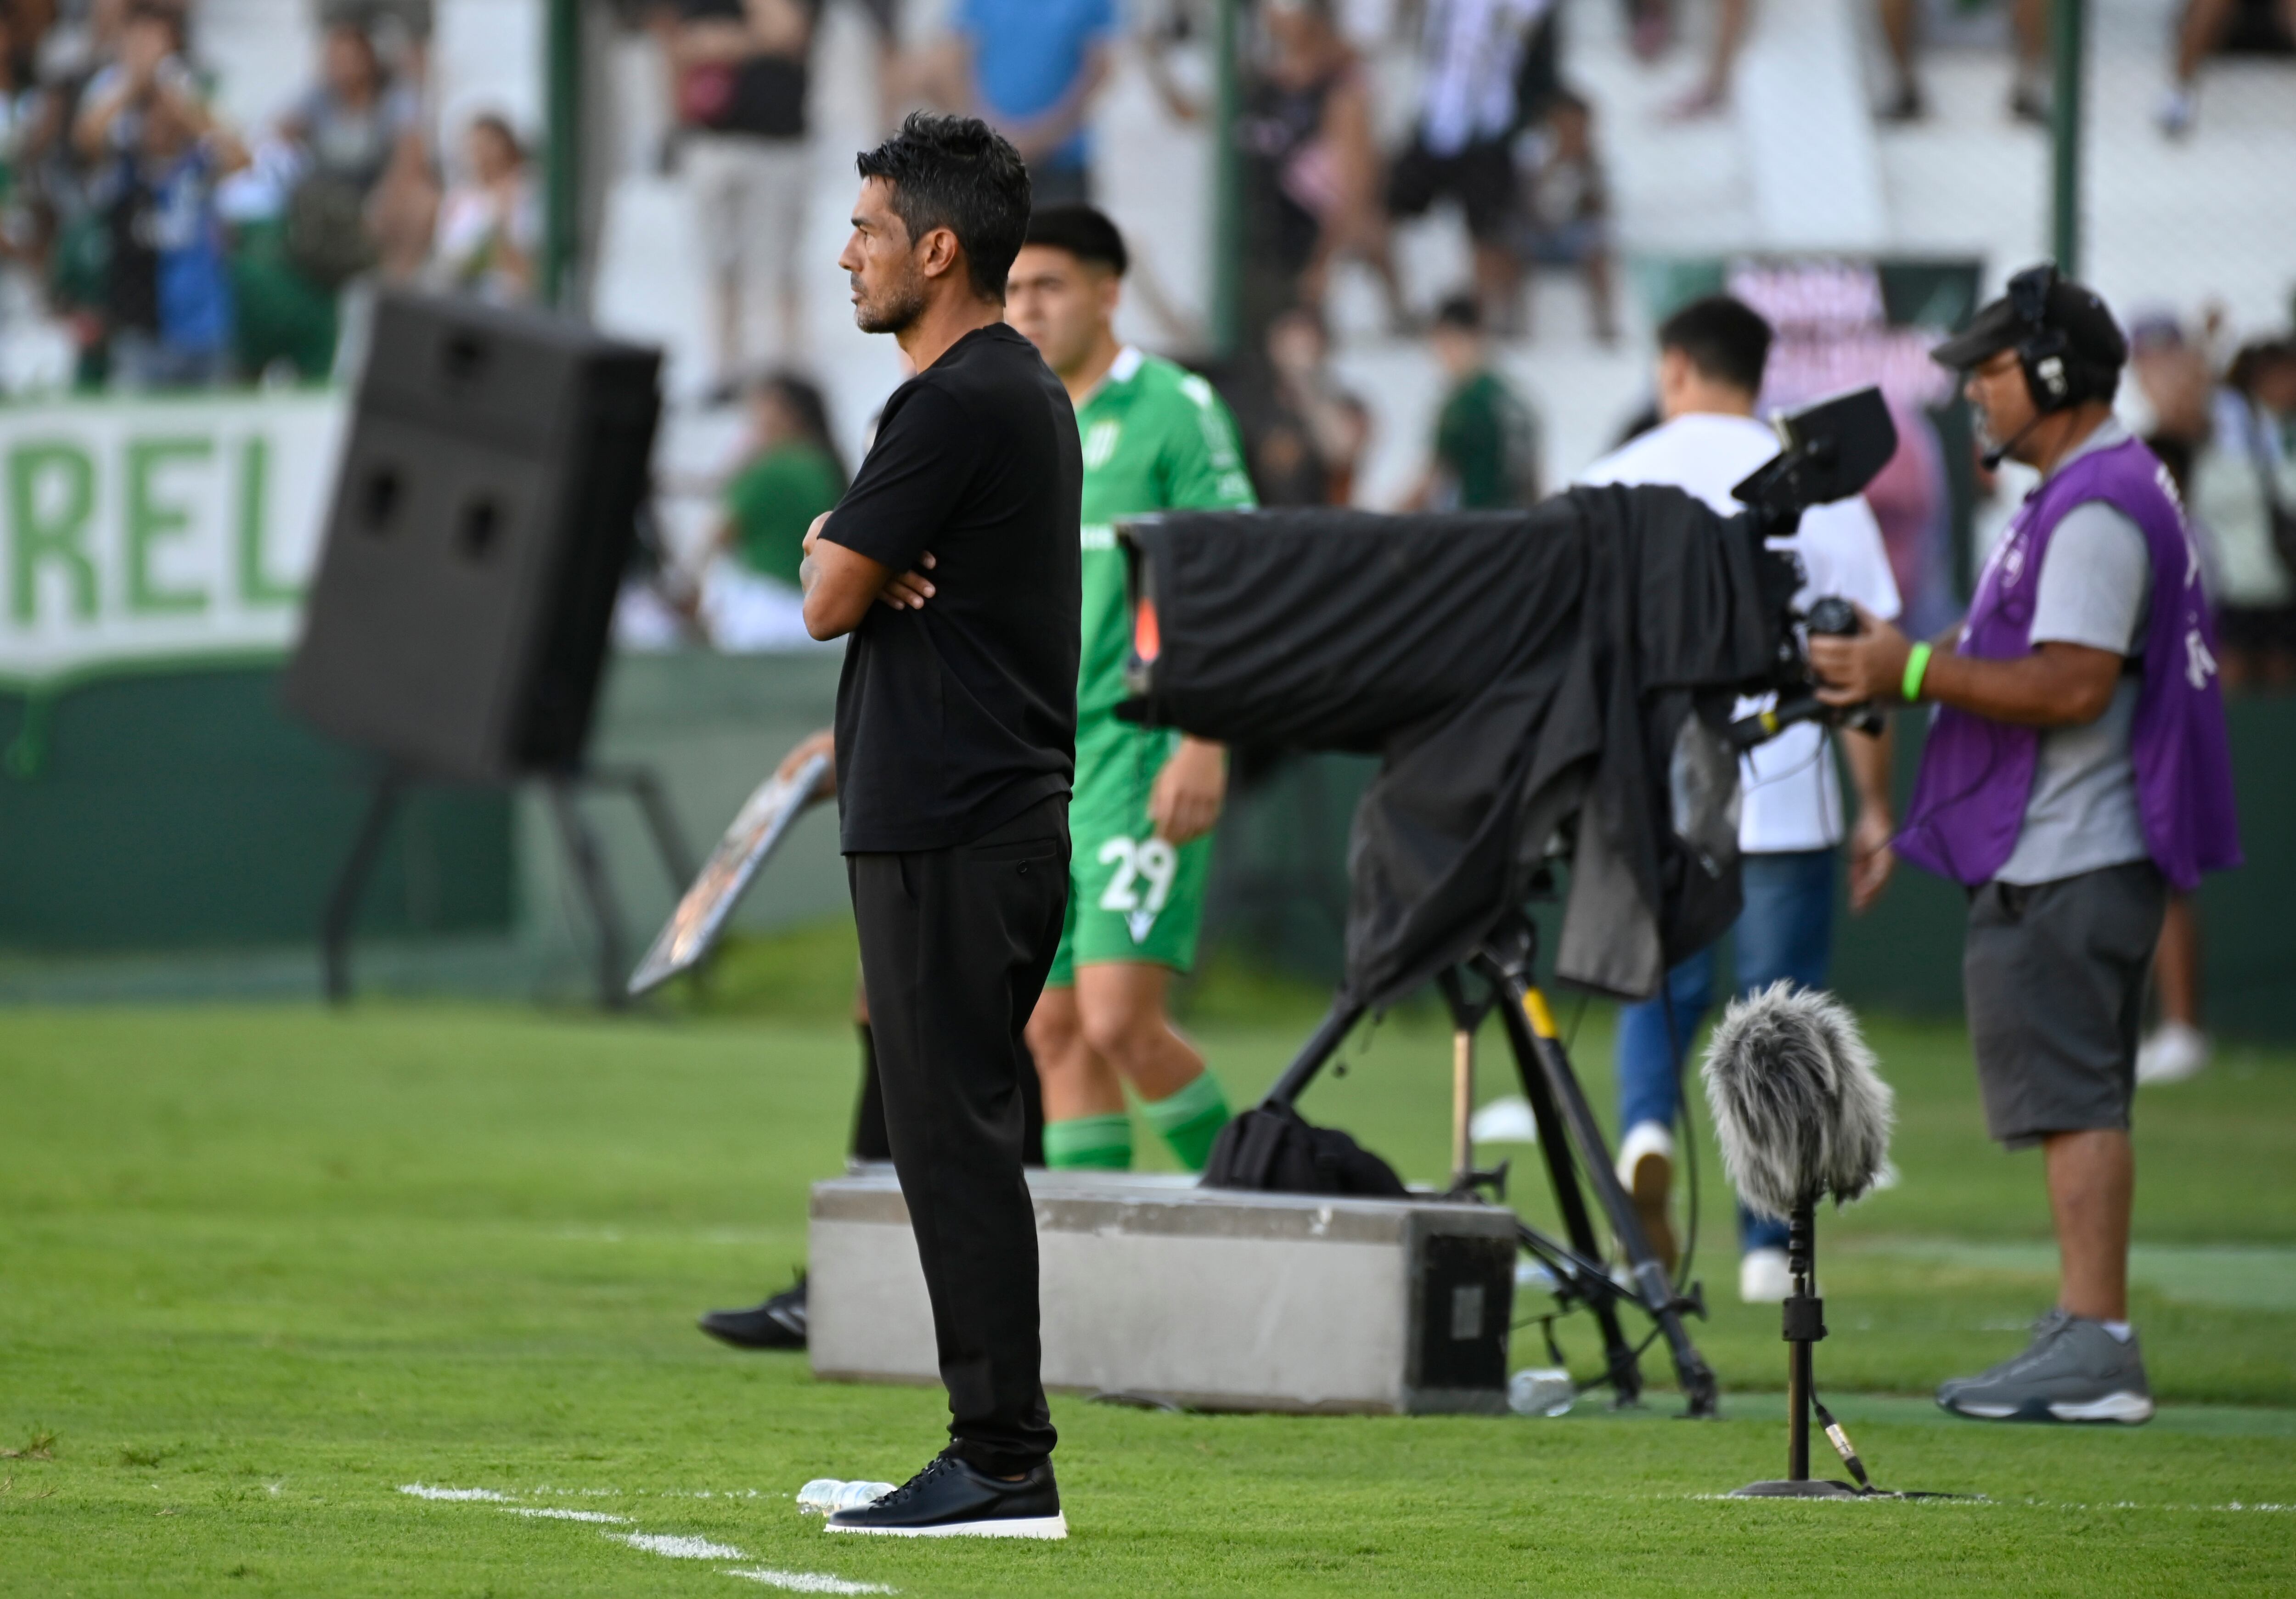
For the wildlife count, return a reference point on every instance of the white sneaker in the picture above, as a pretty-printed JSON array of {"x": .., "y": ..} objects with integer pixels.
[
  {"x": 1764, "y": 1277},
  {"x": 1646, "y": 1172},
  {"x": 2172, "y": 1054},
  {"x": 2177, "y": 112},
  {"x": 1643, "y": 1139}
]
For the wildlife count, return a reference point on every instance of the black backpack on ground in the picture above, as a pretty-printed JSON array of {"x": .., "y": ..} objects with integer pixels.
[{"x": 1271, "y": 1149}]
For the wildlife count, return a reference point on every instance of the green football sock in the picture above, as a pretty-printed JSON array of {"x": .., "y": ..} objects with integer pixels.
[
  {"x": 1093, "y": 1143},
  {"x": 1190, "y": 1119}
]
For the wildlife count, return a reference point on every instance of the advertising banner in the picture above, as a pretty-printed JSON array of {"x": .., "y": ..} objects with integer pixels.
[{"x": 138, "y": 534}]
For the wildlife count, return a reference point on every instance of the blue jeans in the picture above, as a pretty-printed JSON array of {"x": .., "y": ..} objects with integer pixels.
[{"x": 1785, "y": 931}]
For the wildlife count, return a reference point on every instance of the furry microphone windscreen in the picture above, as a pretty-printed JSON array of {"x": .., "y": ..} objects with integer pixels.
[{"x": 1798, "y": 1109}]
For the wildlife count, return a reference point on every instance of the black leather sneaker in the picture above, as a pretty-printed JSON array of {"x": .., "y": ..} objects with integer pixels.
[
  {"x": 951, "y": 1500},
  {"x": 778, "y": 1323}
]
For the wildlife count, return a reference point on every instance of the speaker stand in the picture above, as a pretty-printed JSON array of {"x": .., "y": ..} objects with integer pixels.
[{"x": 586, "y": 862}]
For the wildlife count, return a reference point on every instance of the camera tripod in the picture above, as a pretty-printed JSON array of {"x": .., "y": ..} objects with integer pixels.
[{"x": 1569, "y": 1138}]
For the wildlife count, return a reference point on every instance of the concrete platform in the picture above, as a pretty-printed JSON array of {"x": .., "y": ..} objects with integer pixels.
[{"x": 1157, "y": 1289}]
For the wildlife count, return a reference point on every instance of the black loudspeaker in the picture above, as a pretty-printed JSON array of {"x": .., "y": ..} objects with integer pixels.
[{"x": 482, "y": 520}]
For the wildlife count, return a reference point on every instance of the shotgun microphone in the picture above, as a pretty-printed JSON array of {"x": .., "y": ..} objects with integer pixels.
[
  {"x": 1800, "y": 1113},
  {"x": 1798, "y": 1109}
]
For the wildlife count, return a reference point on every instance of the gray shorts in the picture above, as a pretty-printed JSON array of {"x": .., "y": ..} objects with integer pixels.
[{"x": 2053, "y": 979}]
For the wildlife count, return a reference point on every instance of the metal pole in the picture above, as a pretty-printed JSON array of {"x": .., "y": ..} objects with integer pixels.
[
  {"x": 1801, "y": 1251},
  {"x": 1227, "y": 183},
  {"x": 2068, "y": 20},
  {"x": 562, "y": 176},
  {"x": 1462, "y": 1107}
]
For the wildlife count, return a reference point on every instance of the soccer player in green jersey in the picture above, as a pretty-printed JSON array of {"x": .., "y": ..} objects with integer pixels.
[{"x": 1155, "y": 436}]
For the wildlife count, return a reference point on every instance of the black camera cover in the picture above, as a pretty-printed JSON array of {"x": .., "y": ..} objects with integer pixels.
[{"x": 1517, "y": 670}]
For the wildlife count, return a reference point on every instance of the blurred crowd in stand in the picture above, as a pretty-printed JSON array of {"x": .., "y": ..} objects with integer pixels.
[
  {"x": 2224, "y": 423},
  {"x": 1495, "y": 134},
  {"x": 181, "y": 251},
  {"x": 2197, "y": 30}
]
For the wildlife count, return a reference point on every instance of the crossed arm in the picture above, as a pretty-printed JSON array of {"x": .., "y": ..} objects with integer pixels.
[{"x": 840, "y": 585}]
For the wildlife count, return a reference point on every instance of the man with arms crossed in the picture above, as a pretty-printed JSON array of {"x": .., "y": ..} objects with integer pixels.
[
  {"x": 956, "y": 752},
  {"x": 1154, "y": 436},
  {"x": 2075, "y": 772},
  {"x": 1711, "y": 354}
]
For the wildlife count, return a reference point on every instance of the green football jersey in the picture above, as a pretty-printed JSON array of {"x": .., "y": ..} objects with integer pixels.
[{"x": 1155, "y": 438}]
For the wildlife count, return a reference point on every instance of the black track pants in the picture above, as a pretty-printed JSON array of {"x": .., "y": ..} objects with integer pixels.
[
  {"x": 955, "y": 947},
  {"x": 870, "y": 1141}
]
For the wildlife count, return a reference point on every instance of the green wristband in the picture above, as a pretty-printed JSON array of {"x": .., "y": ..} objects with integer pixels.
[{"x": 1917, "y": 666}]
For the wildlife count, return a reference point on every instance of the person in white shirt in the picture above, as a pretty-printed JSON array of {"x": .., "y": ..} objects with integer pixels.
[{"x": 1709, "y": 369}]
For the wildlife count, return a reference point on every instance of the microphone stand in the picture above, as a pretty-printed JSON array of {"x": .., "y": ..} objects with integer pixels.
[{"x": 1804, "y": 1325}]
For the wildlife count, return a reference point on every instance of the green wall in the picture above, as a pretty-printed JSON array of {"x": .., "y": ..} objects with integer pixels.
[
  {"x": 187, "y": 813},
  {"x": 185, "y": 810}
]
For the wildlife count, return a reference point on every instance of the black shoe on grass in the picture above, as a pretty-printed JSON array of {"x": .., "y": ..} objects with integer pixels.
[
  {"x": 952, "y": 1500},
  {"x": 778, "y": 1323}
]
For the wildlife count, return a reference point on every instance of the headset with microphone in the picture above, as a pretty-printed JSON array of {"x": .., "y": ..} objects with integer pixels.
[{"x": 2040, "y": 355}]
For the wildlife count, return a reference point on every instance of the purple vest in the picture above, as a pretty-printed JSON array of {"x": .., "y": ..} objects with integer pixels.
[{"x": 1976, "y": 775}]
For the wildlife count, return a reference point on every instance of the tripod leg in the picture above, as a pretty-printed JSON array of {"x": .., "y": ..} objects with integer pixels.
[
  {"x": 1562, "y": 1173},
  {"x": 1529, "y": 1008},
  {"x": 582, "y": 853},
  {"x": 1320, "y": 1047},
  {"x": 350, "y": 883}
]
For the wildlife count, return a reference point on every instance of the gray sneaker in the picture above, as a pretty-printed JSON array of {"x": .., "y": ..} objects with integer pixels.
[{"x": 2073, "y": 1371}]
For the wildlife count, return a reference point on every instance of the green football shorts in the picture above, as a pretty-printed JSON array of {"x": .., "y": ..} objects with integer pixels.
[{"x": 1132, "y": 896}]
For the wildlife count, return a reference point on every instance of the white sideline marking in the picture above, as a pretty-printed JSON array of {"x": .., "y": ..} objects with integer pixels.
[
  {"x": 806, "y": 1582},
  {"x": 553, "y": 1513},
  {"x": 679, "y": 1548},
  {"x": 669, "y": 1546}
]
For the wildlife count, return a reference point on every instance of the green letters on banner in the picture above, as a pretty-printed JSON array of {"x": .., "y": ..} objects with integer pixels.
[
  {"x": 149, "y": 519},
  {"x": 55, "y": 533},
  {"x": 255, "y": 586}
]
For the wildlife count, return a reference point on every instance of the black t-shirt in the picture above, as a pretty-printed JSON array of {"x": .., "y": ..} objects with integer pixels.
[
  {"x": 954, "y": 719},
  {"x": 761, "y": 94}
]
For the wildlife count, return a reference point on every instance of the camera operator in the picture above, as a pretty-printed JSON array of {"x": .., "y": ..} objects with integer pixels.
[
  {"x": 2075, "y": 771},
  {"x": 1712, "y": 356}
]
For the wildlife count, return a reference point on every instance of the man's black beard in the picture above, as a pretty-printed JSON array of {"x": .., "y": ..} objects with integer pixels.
[{"x": 897, "y": 314}]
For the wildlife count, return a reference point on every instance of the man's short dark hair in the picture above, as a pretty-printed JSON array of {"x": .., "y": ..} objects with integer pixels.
[
  {"x": 1725, "y": 337},
  {"x": 1462, "y": 311},
  {"x": 1084, "y": 231},
  {"x": 960, "y": 174}
]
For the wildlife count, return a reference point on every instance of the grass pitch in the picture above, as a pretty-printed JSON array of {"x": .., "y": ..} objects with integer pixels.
[{"x": 262, "y": 1270}]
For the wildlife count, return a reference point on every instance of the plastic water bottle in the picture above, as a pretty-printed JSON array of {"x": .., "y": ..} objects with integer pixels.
[
  {"x": 1533, "y": 1276},
  {"x": 826, "y": 1496},
  {"x": 1541, "y": 1391},
  {"x": 858, "y": 1496}
]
